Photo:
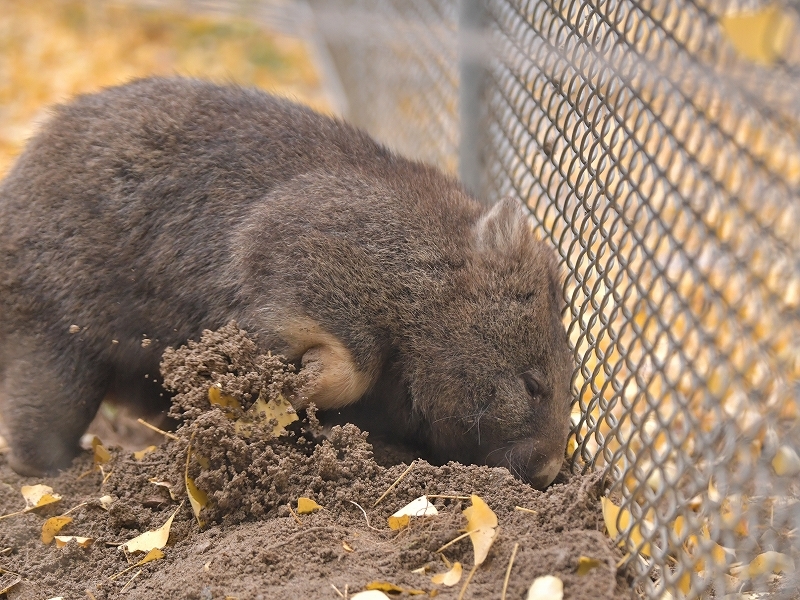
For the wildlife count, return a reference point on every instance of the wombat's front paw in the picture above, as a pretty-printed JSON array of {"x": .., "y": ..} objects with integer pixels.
[{"x": 334, "y": 379}]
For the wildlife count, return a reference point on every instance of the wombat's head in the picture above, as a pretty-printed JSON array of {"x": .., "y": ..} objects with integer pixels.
[{"x": 493, "y": 377}]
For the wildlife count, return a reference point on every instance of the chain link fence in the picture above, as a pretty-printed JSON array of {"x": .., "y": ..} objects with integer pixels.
[{"x": 657, "y": 146}]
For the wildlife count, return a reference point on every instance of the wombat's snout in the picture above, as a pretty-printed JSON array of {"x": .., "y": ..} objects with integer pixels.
[{"x": 531, "y": 460}]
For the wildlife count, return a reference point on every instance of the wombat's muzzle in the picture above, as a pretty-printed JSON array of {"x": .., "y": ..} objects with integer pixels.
[{"x": 529, "y": 460}]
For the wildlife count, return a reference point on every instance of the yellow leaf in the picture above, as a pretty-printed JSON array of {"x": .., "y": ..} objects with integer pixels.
[
  {"x": 38, "y": 495},
  {"x": 547, "y": 587},
  {"x": 385, "y": 586},
  {"x": 142, "y": 453},
  {"x": 217, "y": 398},
  {"x": 613, "y": 514},
  {"x": 786, "y": 462},
  {"x": 347, "y": 547},
  {"x": 369, "y": 595},
  {"x": 151, "y": 539},
  {"x": 396, "y": 523},
  {"x": 770, "y": 562},
  {"x": 52, "y": 526},
  {"x": 306, "y": 506},
  {"x": 279, "y": 409},
  {"x": 101, "y": 453},
  {"x": 165, "y": 484},
  {"x": 154, "y": 554},
  {"x": 419, "y": 507},
  {"x": 63, "y": 540},
  {"x": 586, "y": 564},
  {"x": 197, "y": 498},
  {"x": 449, "y": 578},
  {"x": 482, "y": 527},
  {"x": 106, "y": 501},
  {"x": 759, "y": 35}
]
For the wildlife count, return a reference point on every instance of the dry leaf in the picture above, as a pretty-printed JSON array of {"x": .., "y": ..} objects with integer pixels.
[
  {"x": 418, "y": 507},
  {"x": 154, "y": 554},
  {"x": 546, "y": 588},
  {"x": 613, "y": 514},
  {"x": 197, "y": 498},
  {"x": 759, "y": 35},
  {"x": 106, "y": 501},
  {"x": 52, "y": 526},
  {"x": 306, "y": 506},
  {"x": 347, "y": 547},
  {"x": 142, "y": 453},
  {"x": 770, "y": 562},
  {"x": 385, "y": 586},
  {"x": 449, "y": 578},
  {"x": 151, "y": 539},
  {"x": 279, "y": 409},
  {"x": 63, "y": 540},
  {"x": 165, "y": 484},
  {"x": 586, "y": 564},
  {"x": 482, "y": 527},
  {"x": 38, "y": 495},
  {"x": 217, "y": 398},
  {"x": 786, "y": 462},
  {"x": 369, "y": 595},
  {"x": 101, "y": 453}
]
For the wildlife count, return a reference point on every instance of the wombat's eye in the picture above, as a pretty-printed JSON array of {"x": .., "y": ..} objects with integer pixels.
[{"x": 532, "y": 385}]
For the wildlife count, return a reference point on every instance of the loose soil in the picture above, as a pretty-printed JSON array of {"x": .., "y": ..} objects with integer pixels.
[{"x": 252, "y": 546}]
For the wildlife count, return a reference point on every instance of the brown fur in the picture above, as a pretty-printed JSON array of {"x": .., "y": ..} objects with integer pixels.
[{"x": 157, "y": 209}]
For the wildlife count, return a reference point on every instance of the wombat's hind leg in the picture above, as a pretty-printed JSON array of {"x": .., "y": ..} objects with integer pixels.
[{"x": 45, "y": 413}]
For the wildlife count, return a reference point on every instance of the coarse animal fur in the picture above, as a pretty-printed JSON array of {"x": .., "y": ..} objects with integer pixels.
[{"x": 143, "y": 214}]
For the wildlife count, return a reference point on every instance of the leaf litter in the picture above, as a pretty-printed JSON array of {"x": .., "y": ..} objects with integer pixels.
[{"x": 250, "y": 543}]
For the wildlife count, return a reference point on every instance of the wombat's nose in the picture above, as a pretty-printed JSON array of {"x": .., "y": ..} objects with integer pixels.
[{"x": 530, "y": 461}]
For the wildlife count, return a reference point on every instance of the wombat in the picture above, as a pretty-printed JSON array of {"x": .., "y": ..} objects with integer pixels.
[{"x": 141, "y": 215}]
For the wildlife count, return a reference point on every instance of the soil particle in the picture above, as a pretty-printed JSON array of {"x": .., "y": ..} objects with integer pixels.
[{"x": 252, "y": 546}]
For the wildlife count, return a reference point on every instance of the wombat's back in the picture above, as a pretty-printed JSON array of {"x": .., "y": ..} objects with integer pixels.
[{"x": 144, "y": 214}]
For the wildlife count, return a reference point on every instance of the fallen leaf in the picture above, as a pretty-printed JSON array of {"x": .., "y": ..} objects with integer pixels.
[
  {"x": 197, "y": 498},
  {"x": 38, "y": 495},
  {"x": 279, "y": 410},
  {"x": 613, "y": 514},
  {"x": 418, "y": 507},
  {"x": 217, "y": 398},
  {"x": 105, "y": 501},
  {"x": 165, "y": 484},
  {"x": 786, "y": 462},
  {"x": 101, "y": 453},
  {"x": 151, "y": 539},
  {"x": 547, "y": 587},
  {"x": 449, "y": 578},
  {"x": 770, "y": 562},
  {"x": 586, "y": 564},
  {"x": 369, "y": 595},
  {"x": 385, "y": 586},
  {"x": 154, "y": 554},
  {"x": 482, "y": 527},
  {"x": 144, "y": 452},
  {"x": 52, "y": 526},
  {"x": 759, "y": 35},
  {"x": 63, "y": 540},
  {"x": 347, "y": 547},
  {"x": 306, "y": 506}
]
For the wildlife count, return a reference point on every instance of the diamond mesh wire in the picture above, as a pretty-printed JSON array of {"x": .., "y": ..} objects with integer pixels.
[{"x": 665, "y": 169}]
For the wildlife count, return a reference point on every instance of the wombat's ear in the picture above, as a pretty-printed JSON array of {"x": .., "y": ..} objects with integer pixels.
[{"x": 506, "y": 225}]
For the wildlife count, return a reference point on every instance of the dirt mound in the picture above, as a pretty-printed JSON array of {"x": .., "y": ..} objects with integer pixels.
[{"x": 252, "y": 545}]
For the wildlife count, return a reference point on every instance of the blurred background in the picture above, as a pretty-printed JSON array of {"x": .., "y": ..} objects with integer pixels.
[{"x": 657, "y": 147}]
